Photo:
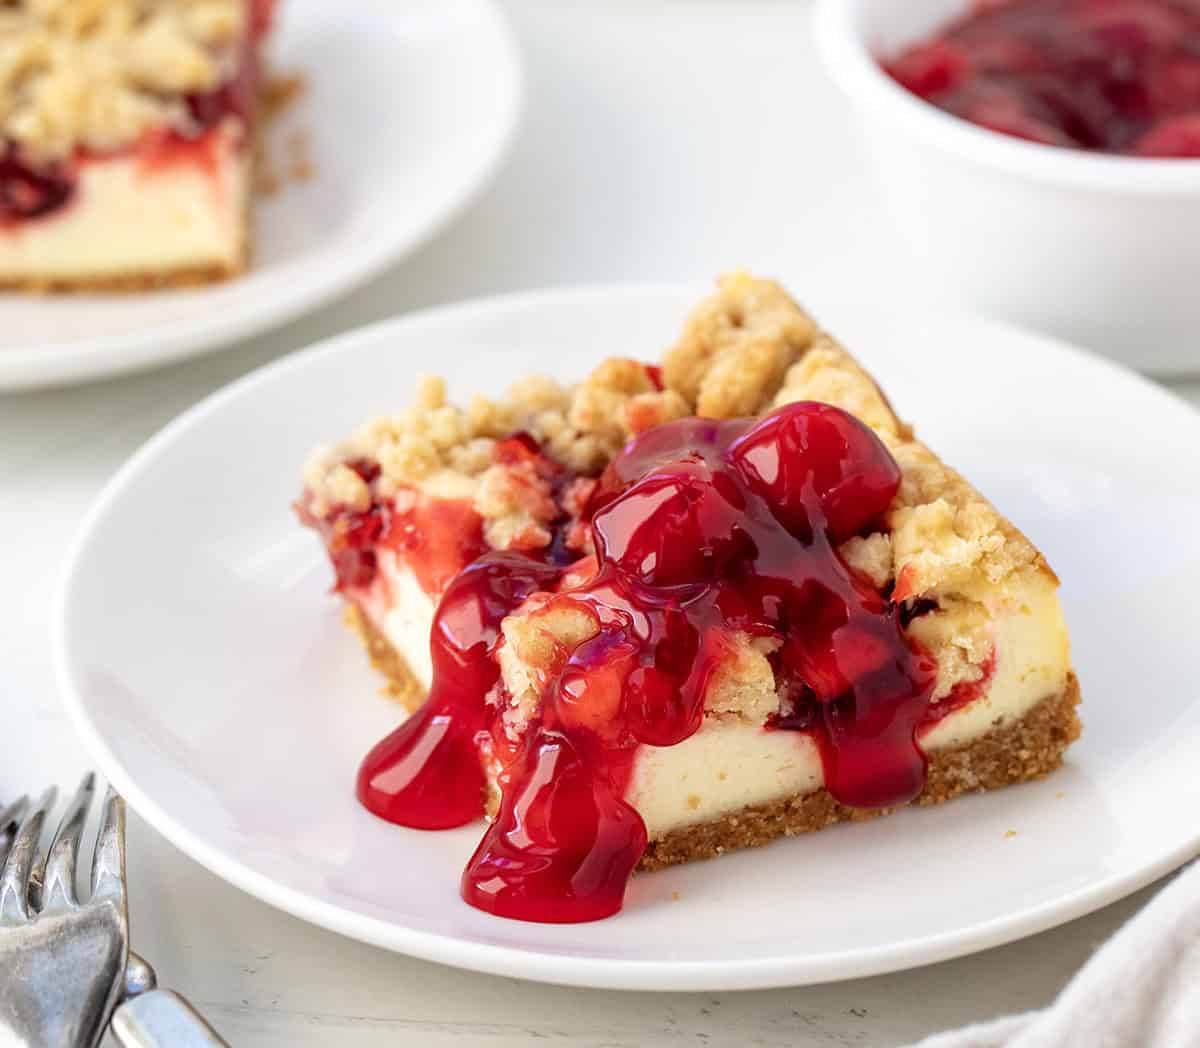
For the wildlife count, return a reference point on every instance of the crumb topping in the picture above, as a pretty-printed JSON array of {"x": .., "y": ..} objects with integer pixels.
[
  {"x": 743, "y": 684},
  {"x": 736, "y": 346},
  {"x": 446, "y": 450},
  {"x": 97, "y": 74},
  {"x": 870, "y": 556},
  {"x": 746, "y": 350},
  {"x": 517, "y": 505},
  {"x": 830, "y": 374}
]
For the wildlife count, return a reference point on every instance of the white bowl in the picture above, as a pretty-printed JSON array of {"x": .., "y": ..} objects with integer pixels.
[{"x": 1104, "y": 250}]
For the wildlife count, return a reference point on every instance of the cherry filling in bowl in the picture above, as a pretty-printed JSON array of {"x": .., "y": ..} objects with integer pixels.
[
  {"x": 701, "y": 529},
  {"x": 1109, "y": 76}
]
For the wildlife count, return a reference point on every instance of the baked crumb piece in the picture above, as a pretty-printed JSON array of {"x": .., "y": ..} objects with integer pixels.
[
  {"x": 277, "y": 164},
  {"x": 959, "y": 636},
  {"x": 736, "y": 346},
  {"x": 280, "y": 92},
  {"x": 743, "y": 685},
  {"x": 830, "y": 374},
  {"x": 870, "y": 556},
  {"x": 536, "y": 644},
  {"x": 620, "y": 400}
]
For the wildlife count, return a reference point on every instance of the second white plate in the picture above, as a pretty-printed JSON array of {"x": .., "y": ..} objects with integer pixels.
[
  {"x": 203, "y": 659},
  {"x": 408, "y": 109}
]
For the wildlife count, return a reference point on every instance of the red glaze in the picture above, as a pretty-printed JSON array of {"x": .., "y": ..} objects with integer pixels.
[
  {"x": 437, "y": 538},
  {"x": 702, "y": 529},
  {"x": 237, "y": 96},
  {"x": 960, "y": 695},
  {"x": 164, "y": 150},
  {"x": 426, "y": 774},
  {"x": 262, "y": 17},
  {"x": 1112, "y": 76},
  {"x": 28, "y": 192}
]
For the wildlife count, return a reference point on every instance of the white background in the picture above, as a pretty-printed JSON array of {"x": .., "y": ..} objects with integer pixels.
[{"x": 661, "y": 141}]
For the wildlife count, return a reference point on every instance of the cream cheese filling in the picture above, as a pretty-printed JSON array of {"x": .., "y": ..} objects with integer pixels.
[
  {"x": 732, "y": 763},
  {"x": 403, "y": 612},
  {"x": 128, "y": 218}
]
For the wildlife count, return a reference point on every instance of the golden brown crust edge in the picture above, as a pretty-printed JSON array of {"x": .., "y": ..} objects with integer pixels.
[
  {"x": 125, "y": 283},
  {"x": 1029, "y": 749},
  {"x": 401, "y": 684}
]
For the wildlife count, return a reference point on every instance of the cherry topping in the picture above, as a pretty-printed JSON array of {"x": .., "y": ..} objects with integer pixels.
[
  {"x": 238, "y": 95},
  {"x": 1177, "y": 136},
  {"x": 439, "y": 538},
  {"x": 652, "y": 530},
  {"x": 703, "y": 529},
  {"x": 1114, "y": 76},
  {"x": 564, "y": 842},
  {"x": 28, "y": 192},
  {"x": 792, "y": 456},
  {"x": 351, "y": 536},
  {"x": 426, "y": 774}
]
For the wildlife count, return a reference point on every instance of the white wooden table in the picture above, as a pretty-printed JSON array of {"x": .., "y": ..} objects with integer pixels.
[{"x": 662, "y": 141}]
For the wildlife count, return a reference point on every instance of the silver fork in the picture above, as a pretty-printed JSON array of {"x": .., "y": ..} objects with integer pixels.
[{"x": 66, "y": 970}]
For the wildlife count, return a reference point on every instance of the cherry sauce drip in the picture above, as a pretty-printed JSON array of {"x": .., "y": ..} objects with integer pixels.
[{"x": 703, "y": 529}]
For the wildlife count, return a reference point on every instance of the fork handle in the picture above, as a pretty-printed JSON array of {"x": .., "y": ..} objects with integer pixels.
[{"x": 162, "y": 1019}]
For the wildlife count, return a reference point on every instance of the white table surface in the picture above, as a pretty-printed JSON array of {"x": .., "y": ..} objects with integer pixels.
[{"x": 661, "y": 141}]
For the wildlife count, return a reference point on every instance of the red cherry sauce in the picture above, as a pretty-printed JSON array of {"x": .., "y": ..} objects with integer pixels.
[
  {"x": 437, "y": 538},
  {"x": 1111, "y": 76},
  {"x": 702, "y": 529},
  {"x": 29, "y": 191},
  {"x": 427, "y": 774},
  {"x": 351, "y": 536}
]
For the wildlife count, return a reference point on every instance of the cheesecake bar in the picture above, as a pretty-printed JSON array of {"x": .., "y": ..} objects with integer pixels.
[
  {"x": 126, "y": 141},
  {"x": 683, "y": 608}
]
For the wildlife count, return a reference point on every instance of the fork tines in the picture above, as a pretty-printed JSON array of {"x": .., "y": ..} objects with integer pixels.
[{"x": 28, "y": 888}]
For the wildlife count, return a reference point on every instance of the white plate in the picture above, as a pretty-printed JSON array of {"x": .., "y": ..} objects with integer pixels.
[
  {"x": 203, "y": 660},
  {"x": 408, "y": 109}
]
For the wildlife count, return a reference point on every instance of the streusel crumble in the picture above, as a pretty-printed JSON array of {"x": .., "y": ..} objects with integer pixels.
[{"x": 98, "y": 74}]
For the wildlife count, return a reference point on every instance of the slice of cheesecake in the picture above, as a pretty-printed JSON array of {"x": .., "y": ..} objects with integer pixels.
[
  {"x": 126, "y": 141},
  {"x": 681, "y": 609}
]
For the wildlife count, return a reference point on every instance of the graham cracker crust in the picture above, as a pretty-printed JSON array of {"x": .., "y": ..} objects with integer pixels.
[
  {"x": 401, "y": 684},
  {"x": 1028, "y": 749},
  {"x": 127, "y": 283}
]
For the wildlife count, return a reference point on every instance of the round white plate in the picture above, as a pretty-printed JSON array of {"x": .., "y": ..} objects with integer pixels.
[
  {"x": 203, "y": 659},
  {"x": 407, "y": 111}
]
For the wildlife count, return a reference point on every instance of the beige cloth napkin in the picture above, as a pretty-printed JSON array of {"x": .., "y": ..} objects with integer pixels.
[{"x": 1140, "y": 990}]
